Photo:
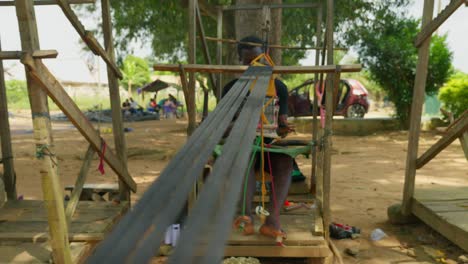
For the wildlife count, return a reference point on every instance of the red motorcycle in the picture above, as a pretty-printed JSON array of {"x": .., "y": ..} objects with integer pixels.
[{"x": 352, "y": 101}]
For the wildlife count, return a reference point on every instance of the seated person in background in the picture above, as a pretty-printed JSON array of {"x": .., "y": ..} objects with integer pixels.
[
  {"x": 126, "y": 108},
  {"x": 134, "y": 107},
  {"x": 153, "y": 107}
]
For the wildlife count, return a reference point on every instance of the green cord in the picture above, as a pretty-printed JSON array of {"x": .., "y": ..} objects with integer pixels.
[{"x": 257, "y": 143}]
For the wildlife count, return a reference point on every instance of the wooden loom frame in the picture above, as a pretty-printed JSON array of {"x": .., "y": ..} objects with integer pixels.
[{"x": 41, "y": 84}]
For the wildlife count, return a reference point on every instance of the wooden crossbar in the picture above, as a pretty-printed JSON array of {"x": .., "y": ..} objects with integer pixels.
[
  {"x": 271, "y": 6},
  {"x": 49, "y": 2},
  {"x": 436, "y": 22},
  {"x": 58, "y": 94},
  {"x": 456, "y": 130},
  {"x": 241, "y": 68},
  {"x": 38, "y": 54}
]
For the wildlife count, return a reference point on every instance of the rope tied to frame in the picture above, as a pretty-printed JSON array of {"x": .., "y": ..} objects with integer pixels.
[
  {"x": 43, "y": 150},
  {"x": 101, "y": 157}
]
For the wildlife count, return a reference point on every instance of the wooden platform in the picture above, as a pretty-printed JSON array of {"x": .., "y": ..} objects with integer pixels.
[
  {"x": 303, "y": 226},
  {"x": 301, "y": 241},
  {"x": 24, "y": 229},
  {"x": 445, "y": 209}
]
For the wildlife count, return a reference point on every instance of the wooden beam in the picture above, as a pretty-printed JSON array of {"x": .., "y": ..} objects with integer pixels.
[
  {"x": 55, "y": 90},
  {"x": 455, "y": 131},
  {"x": 88, "y": 36},
  {"x": 433, "y": 25},
  {"x": 192, "y": 47},
  {"x": 38, "y": 54},
  {"x": 51, "y": 188},
  {"x": 9, "y": 175},
  {"x": 242, "y": 68},
  {"x": 80, "y": 180},
  {"x": 416, "y": 112},
  {"x": 117, "y": 121},
  {"x": 273, "y": 46},
  {"x": 318, "y": 37},
  {"x": 271, "y": 6},
  {"x": 49, "y": 2},
  {"x": 206, "y": 52}
]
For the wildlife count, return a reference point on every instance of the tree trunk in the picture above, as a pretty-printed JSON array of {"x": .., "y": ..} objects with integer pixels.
[
  {"x": 129, "y": 88},
  {"x": 251, "y": 22}
]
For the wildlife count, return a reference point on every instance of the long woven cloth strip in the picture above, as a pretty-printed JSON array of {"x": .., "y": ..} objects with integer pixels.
[
  {"x": 165, "y": 198},
  {"x": 209, "y": 224}
]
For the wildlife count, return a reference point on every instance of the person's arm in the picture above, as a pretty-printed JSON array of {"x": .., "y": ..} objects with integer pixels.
[{"x": 282, "y": 92}]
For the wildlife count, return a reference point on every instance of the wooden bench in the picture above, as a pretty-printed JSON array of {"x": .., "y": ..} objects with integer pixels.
[{"x": 97, "y": 191}]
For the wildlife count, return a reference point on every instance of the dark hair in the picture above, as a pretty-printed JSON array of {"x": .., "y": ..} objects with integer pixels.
[{"x": 243, "y": 46}]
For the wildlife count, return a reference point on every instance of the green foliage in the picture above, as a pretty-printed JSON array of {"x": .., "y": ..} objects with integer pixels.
[
  {"x": 163, "y": 25},
  {"x": 17, "y": 94},
  {"x": 135, "y": 72},
  {"x": 385, "y": 47},
  {"x": 454, "y": 94}
]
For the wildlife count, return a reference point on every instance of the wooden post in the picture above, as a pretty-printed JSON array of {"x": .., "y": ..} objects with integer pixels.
[
  {"x": 117, "y": 122},
  {"x": 318, "y": 36},
  {"x": 190, "y": 95},
  {"x": 9, "y": 176},
  {"x": 416, "y": 111},
  {"x": 327, "y": 134},
  {"x": 219, "y": 52},
  {"x": 51, "y": 187}
]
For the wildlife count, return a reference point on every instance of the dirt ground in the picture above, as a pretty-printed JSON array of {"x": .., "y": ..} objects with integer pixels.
[{"x": 367, "y": 177}]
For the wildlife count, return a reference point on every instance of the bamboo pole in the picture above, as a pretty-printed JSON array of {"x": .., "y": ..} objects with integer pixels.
[
  {"x": 243, "y": 68},
  {"x": 416, "y": 111},
  {"x": 219, "y": 52},
  {"x": 51, "y": 187},
  {"x": 318, "y": 36},
  {"x": 117, "y": 121},
  {"x": 9, "y": 176},
  {"x": 327, "y": 135}
]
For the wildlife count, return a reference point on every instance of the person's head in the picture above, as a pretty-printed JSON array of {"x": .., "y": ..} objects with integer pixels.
[
  {"x": 131, "y": 99},
  {"x": 249, "y": 52},
  {"x": 126, "y": 100}
]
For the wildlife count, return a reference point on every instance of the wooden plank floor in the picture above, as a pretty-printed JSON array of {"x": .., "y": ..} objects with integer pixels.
[
  {"x": 299, "y": 225},
  {"x": 445, "y": 209},
  {"x": 27, "y": 220},
  {"x": 301, "y": 241}
]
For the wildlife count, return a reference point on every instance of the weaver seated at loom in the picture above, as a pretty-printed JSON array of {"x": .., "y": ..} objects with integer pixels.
[{"x": 277, "y": 162}]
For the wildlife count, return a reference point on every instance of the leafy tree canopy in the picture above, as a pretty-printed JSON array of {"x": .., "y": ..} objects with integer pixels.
[
  {"x": 163, "y": 25},
  {"x": 454, "y": 94},
  {"x": 385, "y": 47},
  {"x": 135, "y": 72}
]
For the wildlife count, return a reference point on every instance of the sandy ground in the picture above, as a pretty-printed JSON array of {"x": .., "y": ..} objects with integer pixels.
[{"x": 367, "y": 177}]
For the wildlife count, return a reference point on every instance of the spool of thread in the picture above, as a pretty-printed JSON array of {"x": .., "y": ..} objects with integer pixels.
[{"x": 175, "y": 234}]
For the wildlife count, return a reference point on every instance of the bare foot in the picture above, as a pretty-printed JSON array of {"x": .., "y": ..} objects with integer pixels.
[
  {"x": 270, "y": 231},
  {"x": 245, "y": 223}
]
